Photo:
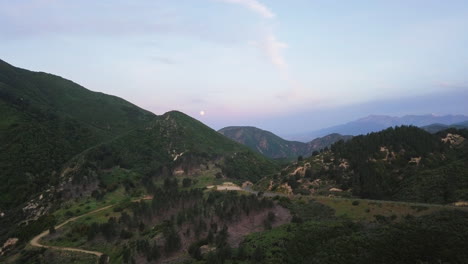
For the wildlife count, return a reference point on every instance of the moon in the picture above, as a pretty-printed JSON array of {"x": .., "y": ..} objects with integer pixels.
[{"x": 202, "y": 113}]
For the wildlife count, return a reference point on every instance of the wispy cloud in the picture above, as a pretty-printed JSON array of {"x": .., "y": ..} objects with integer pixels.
[
  {"x": 272, "y": 48},
  {"x": 268, "y": 44},
  {"x": 255, "y": 6}
]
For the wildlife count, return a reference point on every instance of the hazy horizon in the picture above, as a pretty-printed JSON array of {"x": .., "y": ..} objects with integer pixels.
[{"x": 283, "y": 67}]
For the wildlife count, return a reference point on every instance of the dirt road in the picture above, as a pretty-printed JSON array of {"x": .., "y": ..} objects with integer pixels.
[{"x": 35, "y": 242}]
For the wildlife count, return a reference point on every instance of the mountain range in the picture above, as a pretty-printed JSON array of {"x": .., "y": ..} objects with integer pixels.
[
  {"x": 374, "y": 123},
  {"x": 88, "y": 177},
  {"x": 275, "y": 147}
]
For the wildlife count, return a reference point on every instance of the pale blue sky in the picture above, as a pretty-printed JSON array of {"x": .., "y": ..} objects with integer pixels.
[{"x": 286, "y": 66}]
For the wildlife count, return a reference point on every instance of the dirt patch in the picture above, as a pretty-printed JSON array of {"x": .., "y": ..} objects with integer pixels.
[
  {"x": 344, "y": 164},
  {"x": 298, "y": 169},
  {"x": 254, "y": 223},
  {"x": 9, "y": 243},
  {"x": 247, "y": 184},
  {"x": 461, "y": 203},
  {"x": 415, "y": 160},
  {"x": 226, "y": 186},
  {"x": 453, "y": 139}
]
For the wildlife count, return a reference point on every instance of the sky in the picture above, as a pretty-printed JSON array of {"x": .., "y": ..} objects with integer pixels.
[{"x": 285, "y": 66}]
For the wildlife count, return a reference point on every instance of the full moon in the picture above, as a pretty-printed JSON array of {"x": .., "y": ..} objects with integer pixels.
[{"x": 202, "y": 113}]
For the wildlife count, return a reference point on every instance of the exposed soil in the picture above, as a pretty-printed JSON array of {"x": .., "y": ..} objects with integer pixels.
[{"x": 254, "y": 223}]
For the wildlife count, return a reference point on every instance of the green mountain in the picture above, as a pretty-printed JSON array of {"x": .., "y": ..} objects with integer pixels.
[
  {"x": 402, "y": 163},
  {"x": 176, "y": 141},
  {"x": 46, "y": 120},
  {"x": 273, "y": 146},
  {"x": 265, "y": 142},
  {"x": 60, "y": 141}
]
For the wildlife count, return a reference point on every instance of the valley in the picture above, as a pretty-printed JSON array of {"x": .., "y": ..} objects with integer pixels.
[
  {"x": 357, "y": 210},
  {"x": 91, "y": 178}
]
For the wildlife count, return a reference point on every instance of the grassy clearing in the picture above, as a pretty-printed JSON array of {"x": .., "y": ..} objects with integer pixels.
[
  {"x": 202, "y": 178},
  {"x": 64, "y": 237},
  {"x": 366, "y": 210},
  {"x": 82, "y": 206}
]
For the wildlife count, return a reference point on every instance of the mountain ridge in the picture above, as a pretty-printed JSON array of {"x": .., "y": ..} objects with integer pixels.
[
  {"x": 273, "y": 146},
  {"x": 374, "y": 123}
]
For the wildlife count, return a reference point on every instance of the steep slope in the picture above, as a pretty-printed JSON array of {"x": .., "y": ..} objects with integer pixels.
[
  {"x": 275, "y": 147},
  {"x": 54, "y": 95},
  {"x": 374, "y": 123},
  {"x": 46, "y": 120}
]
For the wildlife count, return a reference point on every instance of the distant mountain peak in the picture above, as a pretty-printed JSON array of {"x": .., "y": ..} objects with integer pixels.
[{"x": 374, "y": 123}]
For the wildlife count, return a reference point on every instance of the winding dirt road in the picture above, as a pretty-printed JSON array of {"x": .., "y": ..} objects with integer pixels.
[{"x": 35, "y": 242}]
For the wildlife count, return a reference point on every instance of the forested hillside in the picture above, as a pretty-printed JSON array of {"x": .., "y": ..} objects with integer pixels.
[
  {"x": 61, "y": 142},
  {"x": 175, "y": 141},
  {"x": 402, "y": 163},
  {"x": 46, "y": 120}
]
